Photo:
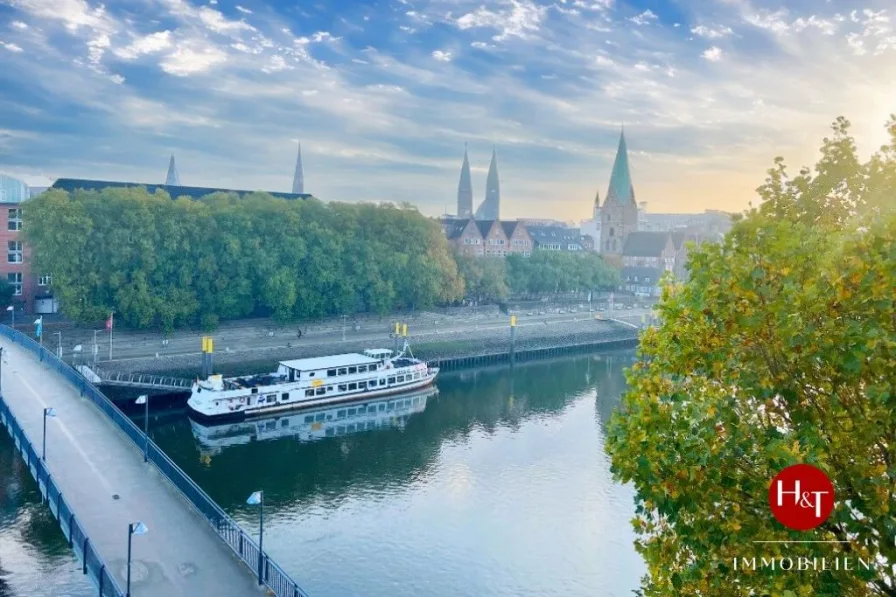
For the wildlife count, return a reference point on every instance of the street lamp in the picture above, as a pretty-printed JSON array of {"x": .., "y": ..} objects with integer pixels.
[
  {"x": 12, "y": 311},
  {"x": 257, "y": 499},
  {"x": 134, "y": 528},
  {"x": 96, "y": 348},
  {"x": 48, "y": 412},
  {"x": 144, "y": 399},
  {"x": 59, "y": 350}
]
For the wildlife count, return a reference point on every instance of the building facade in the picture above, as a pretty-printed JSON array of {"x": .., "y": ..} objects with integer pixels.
[{"x": 15, "y": 266}]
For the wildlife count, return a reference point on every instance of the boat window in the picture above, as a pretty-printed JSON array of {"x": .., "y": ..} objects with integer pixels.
[
  {"x": 272, "y": 398},
  {"x": 352, "y": 386},
  {"x": 340, "y": 414},
  {"x": 271, "y": 425},
  {"x": 351, "y": 411},
  {"x": 311, "y": 374},
  {"x": 331, "y": 432},
  {"x": 362, "y": 385},
  {"x": 390, "y": 406},
  {"x": 351, "y": 428},
  {"x": 285, "y": 396},
  {"x": 284, "y": 422},
  {"x": 416, "y": 376},
  {"x": 342, "y": 387},
  {"x": 320, "y": 417},
  {"x": 309, "y": 419},
  {"x": 371, "y": 424},
  {"x": 331, "y": 373},
  {"x": 254, "y": 390},
  {"x": 400, "y": 378},
  {"x": 352, "y": 369},
  {"x": 340, "y": 430},
  {"x": 382, "y": 381},
  {"x": 382, "y": 407},
  {"x": 343, "y": 371},
  {"x": 371, "y": 408},
  {"x": 309, "y": 392},
  {"x": 362, "y": 368},
  {"x": 321, "y": 391},
  {"x": 329, "y": 388},
  {"x": 372, "y": 367},
  {"x": 391, "y": 380}
]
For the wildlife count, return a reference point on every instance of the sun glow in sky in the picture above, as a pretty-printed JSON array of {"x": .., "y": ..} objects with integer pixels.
[{"x": 383, "y": 95}]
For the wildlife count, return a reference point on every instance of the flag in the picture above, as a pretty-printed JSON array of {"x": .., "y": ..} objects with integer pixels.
[
  {"x": 109, "y": 323},
  {"x": 138, "y": 528},
  {"x": 254, "y": 499},
  {"x": 39, "y": 326}
]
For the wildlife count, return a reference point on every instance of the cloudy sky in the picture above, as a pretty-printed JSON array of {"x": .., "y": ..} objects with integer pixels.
[{"x": 383, "y": 95}]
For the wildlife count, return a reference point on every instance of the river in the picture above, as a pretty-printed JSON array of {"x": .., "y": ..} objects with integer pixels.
[{"x": 498, "y": 484}]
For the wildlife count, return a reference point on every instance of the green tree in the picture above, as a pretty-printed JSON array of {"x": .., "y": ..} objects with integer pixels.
[
  {"x": 779, "y": 349},
  {"x": 6, "y": 293}
]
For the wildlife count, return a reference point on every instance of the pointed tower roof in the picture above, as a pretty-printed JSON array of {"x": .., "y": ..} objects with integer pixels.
[
  {"x": 491, "y": 205},
  {"x": 298, "y": 177},
  {"x": 621, "y": 190},
  {"x": 172, "y": 179},
  {"x": 465, "y": 188}
]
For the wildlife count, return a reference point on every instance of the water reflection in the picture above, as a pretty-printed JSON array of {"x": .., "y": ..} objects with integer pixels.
[{"x": 313, "y": 424}]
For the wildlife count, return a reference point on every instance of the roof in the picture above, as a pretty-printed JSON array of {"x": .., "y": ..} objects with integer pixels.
[
  {"x": 654, "y": 273},
  {"x": 645, "y": 244},
  {"x": 73, "y": 184},
  {"x": 337, "y": 360},
  {"x": 678, "y": 239},
  {"x": 453, "y": 228},
  {"x": 621, "y": 190},
  {"x": 546, "y": 234},
  {"x": 484, "y": 226},
  {"x": 509, "y": 227}
]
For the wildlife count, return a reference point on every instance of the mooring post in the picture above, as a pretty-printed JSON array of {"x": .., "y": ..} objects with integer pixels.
[{"x": 512, "y": 338}]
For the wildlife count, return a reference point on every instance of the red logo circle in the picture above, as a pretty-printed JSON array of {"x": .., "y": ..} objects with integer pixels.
[{"x": 801, "y": 497}]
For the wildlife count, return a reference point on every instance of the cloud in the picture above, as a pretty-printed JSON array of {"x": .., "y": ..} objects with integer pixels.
[
  {"x": 442, "y": 56},
  {"x": 711, "y": 32},
  {"x": 11, "y": 47},
  {"x": 243, "y": 10},
  {"x": 148, "y": 44},
  {"x": 191, "y": 59},
  {"x": 19, "y": 25},
  {"x": 218, "y": 23},
  {"x": 517, "y": 18},
  {"x": 713, "y": 54},
  {"x": 645, "y": 18}
]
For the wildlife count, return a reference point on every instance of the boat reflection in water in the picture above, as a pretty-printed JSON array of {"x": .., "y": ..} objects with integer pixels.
[{"x": 314, "y": 424}]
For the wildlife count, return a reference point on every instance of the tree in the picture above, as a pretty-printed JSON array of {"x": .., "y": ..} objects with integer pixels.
[
  {"x": 6, "y": 293},
  {"x": 779, "y": 349}
]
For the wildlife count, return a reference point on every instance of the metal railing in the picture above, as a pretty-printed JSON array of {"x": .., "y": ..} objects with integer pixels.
[
  {"x": 91, "y": 563},
  {"x": 143, "y": 380},
  {"x": 228, "y": 530}
]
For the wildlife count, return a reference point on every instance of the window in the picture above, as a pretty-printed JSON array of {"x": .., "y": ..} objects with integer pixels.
[
  {"x": 45, "y": 280},
  {"x": 352, "y": 369},
  {"x": 254, "y": 390},
  {"x": 371, "y": 408},
  {"x": 390, "y": 406},
  {"x": 373, "y": 367},
  {"x": 352, "y": 411},
  {"x": 311, "y": 374},
  {"x": 15, "y": 280},
  {"x": 284, "y": 422},
  {"x": 382, "y": 407},
  {"x": 320, "y": 417},
  {"x": 391, "y": 380},
  {"x": 352, "y": 386},
  {"x": 647, "y": 280},
  {"x": 382, "y": 382},
  {"x": 14, "y": 251},
  {"x": 309, "y": 393},
  {"x": 331, "y": 373},
  {"x": 340, "y": 414},
  {"x": 362, "y": 369},
  {"x": 342, "y": 387},
  {"x": 400, "y": 378},
  {"x": 284, "y": 396},
  {"x": 271, "y": 398},
  {"x": 14, "y": 219},
  {"x": 309, "y": 419},
  {"x": 320, "y": 391}
]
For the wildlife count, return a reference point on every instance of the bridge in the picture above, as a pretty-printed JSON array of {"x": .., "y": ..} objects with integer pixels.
[
  {"x": 134, "y": 380},
  {"x": 97, "y": 483}
]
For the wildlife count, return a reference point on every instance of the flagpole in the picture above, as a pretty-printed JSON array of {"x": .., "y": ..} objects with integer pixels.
[{"x": 111, "y": 325}]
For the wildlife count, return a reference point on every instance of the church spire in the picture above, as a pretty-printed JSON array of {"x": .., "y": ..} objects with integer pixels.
[
  {"x": 172, "y": 179},
  {"x": 298, "y": 177},
  {"x": 465, "y": 189},
  {"x": 621, "y": 190},
  {"x": 490, "y": 209}
]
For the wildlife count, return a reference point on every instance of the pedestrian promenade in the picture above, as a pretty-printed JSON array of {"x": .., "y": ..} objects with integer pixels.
[{"x": 102, "y": 476}]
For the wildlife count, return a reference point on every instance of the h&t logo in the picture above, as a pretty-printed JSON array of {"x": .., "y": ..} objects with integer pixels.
[{"x": 801, "y": 497}]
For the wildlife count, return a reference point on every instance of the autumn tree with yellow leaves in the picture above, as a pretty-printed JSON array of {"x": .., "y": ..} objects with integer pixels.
[{"x": 779, "y": 349}]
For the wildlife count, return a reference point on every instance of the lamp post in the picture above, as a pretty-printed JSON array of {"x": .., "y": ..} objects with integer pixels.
[
  {"x": 134, "y": 528},
  {"x": 257, "y": 499},
  {"x": 96, "y": 348},
  {"x": 144, "y": 399},
  {"x": 59, "y": 346},
  {"x": 48, "y": 412},
  {"x": 12, "y": 311}
]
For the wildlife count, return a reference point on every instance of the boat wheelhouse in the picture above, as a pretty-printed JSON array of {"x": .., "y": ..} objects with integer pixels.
[
  {"x": 313, "y": 424},
  {"x": 318, "y": 381}
]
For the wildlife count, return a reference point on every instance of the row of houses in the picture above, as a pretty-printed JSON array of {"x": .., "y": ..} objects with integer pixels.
[{"x": 497, "y": 238}]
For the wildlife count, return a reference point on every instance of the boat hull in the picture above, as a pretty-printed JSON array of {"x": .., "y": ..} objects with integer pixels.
[{"x": 311, "y": 402}]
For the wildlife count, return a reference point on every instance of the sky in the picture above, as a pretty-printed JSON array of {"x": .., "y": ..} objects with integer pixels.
[{"x": 384, "y": 95}]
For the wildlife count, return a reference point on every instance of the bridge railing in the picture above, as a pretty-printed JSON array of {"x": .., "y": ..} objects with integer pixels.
[
  {"x": 91, "y": 563},
  {"x": 228, "y": 530}
]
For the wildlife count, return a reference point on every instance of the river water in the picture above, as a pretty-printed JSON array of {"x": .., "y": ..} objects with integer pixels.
[{"x": 495, "y": 485}]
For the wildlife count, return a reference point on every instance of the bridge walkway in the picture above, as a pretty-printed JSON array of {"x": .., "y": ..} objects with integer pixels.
[{"x": 102, "y": 476}]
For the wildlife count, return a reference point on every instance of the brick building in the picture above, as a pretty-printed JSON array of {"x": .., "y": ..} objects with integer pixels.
[{"x": 29, "y": 290}]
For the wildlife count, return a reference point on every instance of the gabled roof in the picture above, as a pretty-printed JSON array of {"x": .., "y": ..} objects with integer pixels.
[
  {"x": 453, "y": 228},
  {"x": 645, "y": 244},
  {"x": 484, "y": 226},
  {"x": 509, "y": 227},
  {"x": 654, "y": 273},
  {"x": 73, "y": 184}
]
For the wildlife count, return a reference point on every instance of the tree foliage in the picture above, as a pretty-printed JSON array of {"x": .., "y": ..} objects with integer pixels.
[
  {"x": 554, "y": 271},
  {"x": 163, "y": 263},
  {"x": 779, "y": 349}
]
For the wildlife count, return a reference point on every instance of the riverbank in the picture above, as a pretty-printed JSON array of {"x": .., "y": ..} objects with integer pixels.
[{"x": 436, "y": 344}]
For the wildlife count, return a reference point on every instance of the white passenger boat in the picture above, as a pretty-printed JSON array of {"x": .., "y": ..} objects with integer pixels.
[
  {"x": 303, "y": 383},
  {"x": 312, "y": 424}
]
